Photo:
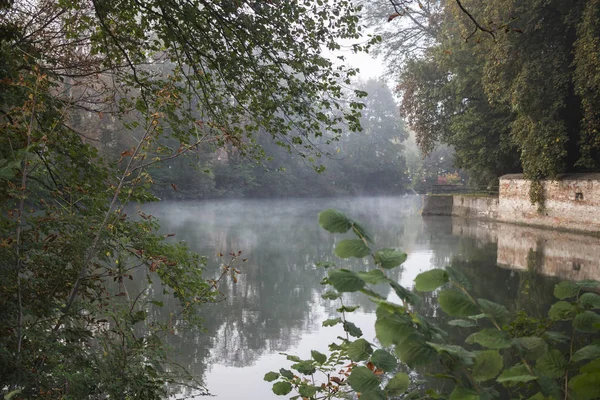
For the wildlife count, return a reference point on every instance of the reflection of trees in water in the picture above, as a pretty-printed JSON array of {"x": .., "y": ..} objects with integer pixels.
[{"x": 277, "y": 298}]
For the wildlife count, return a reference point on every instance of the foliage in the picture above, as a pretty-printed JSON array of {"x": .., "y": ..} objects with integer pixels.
[
  {"x": 146, "y": 83},
  {"x": 504, "y": 355}
]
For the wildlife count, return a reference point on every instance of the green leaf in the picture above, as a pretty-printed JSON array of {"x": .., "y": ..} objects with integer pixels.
[
  {"x": 562, "y": 310},
  {"x": 374, "y": 276},
  {"x": 588, "y": 284},
  {"x": 286, "y": 373},
  {"x": 592, "y": 366},
  {"x": 307, "y": 391},
  {"x": 459, "y": 352},
  {"x": 590, "y": 300},
  {"x": 361, "y": 232},
  {"x": 359, "y": 350},
  {"x": 586, "y": 385},
  {"x": 405, "y": 294},
  {"x": 384, "y": 360},
  {"x": 518, "y": 373},
  {"x": 431, "y": 280},
  {"x": 587, "y": 353},
  {"x": 490, "y": 338},
  {"x": 397, "y": 385},
  {"x": 456, "y": 304},
  {"x": 552, "y": 364},
  {"x": 488, "y": 364},
  {"x": 352, "y": 329},
  {"x": 531, "y": 347},
  {"x": 462, "y": 393},
  {"x": 305, "y": 367},
  {"x": 334, "y": 221},
  {"x": 462, "y": 323},
  {"x": 587, "y": 321},
  {"x": 556, "y": 336},
  {"x": 373, "y": 395},
  {"x": 494, "y": 311},
  {"x": 352, "y": 248},
  {"x": 362, "y": 379},
  {"x": 318, "y": 357},
  {"x": 414, "y": 351},
  {"x": 347, "y": 309},
  {"x": 271, "y": 376},
  {"x": 344, "y": 280},
  {"x": 389, "y": 258},
  {"x": 458, "y": 277},
  {"x": 282, "y": 388},
  {"x": 332, "y": 322},
  {"x": 566, "y": 289},
  {"x": 391, "y": 328}
]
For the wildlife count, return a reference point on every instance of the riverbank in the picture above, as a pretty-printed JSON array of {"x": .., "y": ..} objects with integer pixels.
[{"x": 572, "y": 203}]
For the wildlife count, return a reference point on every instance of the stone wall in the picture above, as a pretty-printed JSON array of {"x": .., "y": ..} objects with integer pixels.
[
  {"x": 475, "y": 207},
  {"x": 572, "y": 202},
  {"x": 437, "y": 205}
]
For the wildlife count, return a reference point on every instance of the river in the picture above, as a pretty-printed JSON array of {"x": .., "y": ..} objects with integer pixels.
[{"x": 276, "y": 305}]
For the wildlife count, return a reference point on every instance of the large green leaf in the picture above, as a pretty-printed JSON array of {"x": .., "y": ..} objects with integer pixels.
[
  {"x": 414, "y": 351},
  {"x": 588, "y": 284},
  {"x": 456, "y": 304},
  {"x": 392, "y": 328},
  {"x": 318, "y": 357},
  {"x": 430, "y": 280},
  {"x": 590, "y": 300},
  {"x": 488, "y": 364},
  {"x": 352, "y": 248},
  {"x": 389, "y": 258},
  {"x": 463, "y": 323},
  {"x": 374, "y": 276},
  {"x": 282, "y": 388},
  {"x": 397, "y": 385},
  {"x": 516, "y": 374},
  {"x": 494, "y": 311},
  {"x": 344, "y": 280},
  {"x": 362, "y": 379},
  {"x": 359, "y": 350},
  {"x": 531, "y": 347},
  {"x": 458, "y": 352},
  {"x": 566, "y": 289},
  {"x": 490, "y": 338},
  {"x": 552, "y": 364},
  {"x": 462, "y": 393},
  {"x": 587, "y": 321},
  {"x": 592, "y": 366},
  {"x": 586, "y": 386},
  {"x": 562, "y": 310},
  {"x": 587, "y": 353},
  {"x": 332, "y": 322},
  {"x": 334, "y": 221},
  {"x": 384, "y": 360},
  {"x": 458, "y": 277}
]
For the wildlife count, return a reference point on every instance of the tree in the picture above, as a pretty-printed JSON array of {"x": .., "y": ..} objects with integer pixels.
[{"x": 166, "y": 79}]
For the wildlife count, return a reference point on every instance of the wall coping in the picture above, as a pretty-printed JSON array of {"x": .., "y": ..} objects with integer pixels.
[{"x": 587, "y": 176}]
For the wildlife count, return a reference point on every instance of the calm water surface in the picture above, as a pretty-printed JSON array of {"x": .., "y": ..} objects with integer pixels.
[{"x": 276, "y": 305}]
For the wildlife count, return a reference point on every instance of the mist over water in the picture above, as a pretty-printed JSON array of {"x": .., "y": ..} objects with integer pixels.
[{"x": 276, "y": 305}]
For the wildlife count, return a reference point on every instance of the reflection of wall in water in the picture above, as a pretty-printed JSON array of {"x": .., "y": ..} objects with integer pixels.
[{"x": 561, "y": 254}]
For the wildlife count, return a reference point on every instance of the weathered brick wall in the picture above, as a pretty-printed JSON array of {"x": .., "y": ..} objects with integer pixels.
[{"x": 572, "y": 202}]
